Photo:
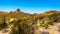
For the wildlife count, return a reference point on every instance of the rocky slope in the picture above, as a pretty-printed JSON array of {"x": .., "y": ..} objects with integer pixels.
[{"x": 18, "y": 22}]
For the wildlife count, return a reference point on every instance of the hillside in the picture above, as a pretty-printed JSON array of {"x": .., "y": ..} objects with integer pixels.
[{"x": 18, "y": 22}]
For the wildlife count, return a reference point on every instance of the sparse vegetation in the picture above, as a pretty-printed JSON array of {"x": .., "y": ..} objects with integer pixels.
[{"x": 25, "y": 23}]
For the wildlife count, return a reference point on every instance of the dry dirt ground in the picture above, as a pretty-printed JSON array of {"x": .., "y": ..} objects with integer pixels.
[{"x": 55, "y": 29}]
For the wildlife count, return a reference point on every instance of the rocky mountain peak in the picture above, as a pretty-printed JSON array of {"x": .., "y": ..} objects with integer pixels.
[{"x": 18, "y": 10}]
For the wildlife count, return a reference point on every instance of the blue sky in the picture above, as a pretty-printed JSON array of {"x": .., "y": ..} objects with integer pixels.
[{"x": 30, "y": 6}]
